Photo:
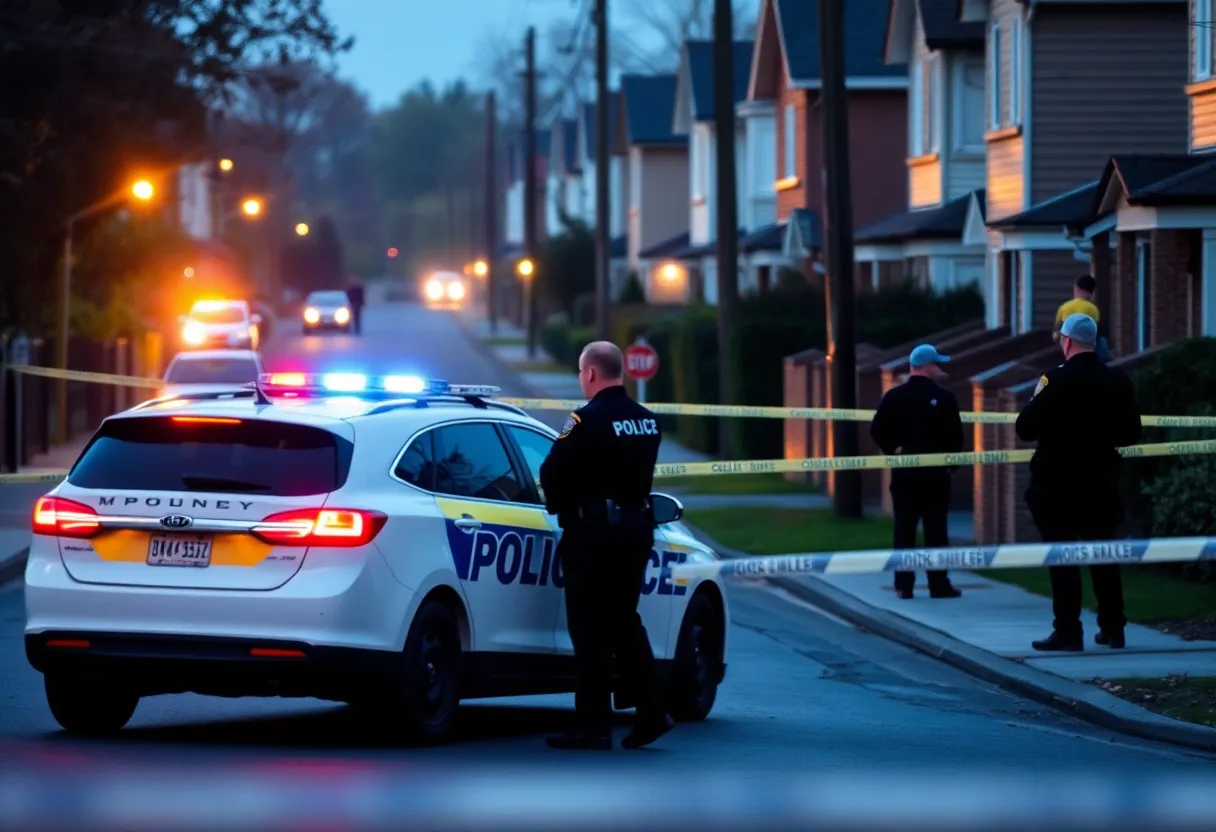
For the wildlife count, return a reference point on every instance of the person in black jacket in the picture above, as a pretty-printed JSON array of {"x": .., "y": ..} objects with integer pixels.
[
  {"x": 920, "y": 417},
  {"x": 1081, "y": 413},
  {"x": 354, "y": 294},
  {"x": 597, "y": 480}
]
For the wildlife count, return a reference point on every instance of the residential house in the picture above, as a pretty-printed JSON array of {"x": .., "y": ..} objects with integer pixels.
[
  {"x": 618, "y": 208},
  {"x": 945, "y": 150},
  {"x": 694, "y": 117},
  {"x": 564, "y": 183},
  {"x": 1069, "y": 85},
  {"x": 513, "y": 213},
  {"x": 786, "y": 70},
  {"x": 657, "y": 185}
]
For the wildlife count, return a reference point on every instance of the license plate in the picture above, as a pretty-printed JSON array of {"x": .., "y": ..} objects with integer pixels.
[{"x": 180, "y": 550}]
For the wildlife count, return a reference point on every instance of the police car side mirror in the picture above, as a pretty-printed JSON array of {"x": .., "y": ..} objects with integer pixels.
[{"x": 667, "y": 509}]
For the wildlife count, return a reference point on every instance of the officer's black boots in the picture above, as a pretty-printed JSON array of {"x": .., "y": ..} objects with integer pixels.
[
  {"x": 580, "y": 741},
  {"x": 644, "y": 733},
  {"x": 1113, "y": 638},
  {"x": 947, "y": 591},
  {"x": 1059, "y": 642}
]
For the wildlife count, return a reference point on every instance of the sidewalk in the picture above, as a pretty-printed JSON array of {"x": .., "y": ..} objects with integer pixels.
[
  {"x": 987, "y": 633},
  {"x": 18, "y": 505}
]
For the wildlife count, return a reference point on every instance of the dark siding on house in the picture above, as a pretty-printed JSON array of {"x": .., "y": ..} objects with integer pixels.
[
  {"x": 1104, "y": 82},
  {"x": 1054, "y": 274}
]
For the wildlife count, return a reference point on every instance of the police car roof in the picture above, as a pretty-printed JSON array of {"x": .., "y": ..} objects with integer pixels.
[
  {"x": 329, "y": 411},
  {"x": 203, "y": 355}
]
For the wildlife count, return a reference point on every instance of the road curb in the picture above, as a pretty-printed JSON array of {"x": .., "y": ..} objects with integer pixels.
[
  {"x": 1076, "y": 698},
  {"x": 13, "y": 566}
]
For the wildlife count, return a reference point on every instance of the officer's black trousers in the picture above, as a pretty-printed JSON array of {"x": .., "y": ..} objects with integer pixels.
[
  {"x": 1065, "y": 522},
  {"x": 604, "y": 568},
  {"x": 927, "y": 501},
  {"x": 356, "y": 313}
]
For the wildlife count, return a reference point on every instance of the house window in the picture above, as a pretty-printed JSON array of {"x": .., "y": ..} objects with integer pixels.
[
  {"x": 916, "y": 124},
  {"x": 1016, "y": 67},
  {"x": 967, "y": 107},
  {"x": 790, "y": 170},
  {"x": 994, "y": 77},
  {"x": 1202, "y": 69}
]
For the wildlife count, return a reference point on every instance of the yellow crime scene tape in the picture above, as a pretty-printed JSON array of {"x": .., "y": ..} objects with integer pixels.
[{"x": 840, "y": 463}]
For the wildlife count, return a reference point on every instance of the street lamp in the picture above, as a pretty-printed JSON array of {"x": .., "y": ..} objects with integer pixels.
[
  {"x": 481, "y": 268},
  {"x": 142, "y": 190},
  {"x": 392, "y": 252},
  {"x": 302, "y": 229},
  {"x": 252, "y": 207},
  {"x": 226, "y": 165},
  {"x": 525, "y": 268}
]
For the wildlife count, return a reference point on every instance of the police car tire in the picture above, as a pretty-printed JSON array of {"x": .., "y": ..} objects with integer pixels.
[
  {"x": 690, "y": 699},
  {"x": 433, "y": 636},
  {"x": 88, "y": 707}
]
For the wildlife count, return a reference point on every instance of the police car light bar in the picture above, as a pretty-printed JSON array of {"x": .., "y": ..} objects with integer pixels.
[{"x": 309, "y": 384}]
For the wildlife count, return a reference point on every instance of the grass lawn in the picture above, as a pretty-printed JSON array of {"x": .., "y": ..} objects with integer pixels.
[
  {"x": 1191, "y": 699},
  {"x": 504, "y": 341},
  {"x": 540, "y": 366},
  {"x": 775, "y": 531},
  {"x": 736, "y": 484},
  {"x": 1148, "y": 595}
]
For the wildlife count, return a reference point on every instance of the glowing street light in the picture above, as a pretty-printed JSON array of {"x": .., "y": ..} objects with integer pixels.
[
  {"x": 392, "y": 252},
  {"x": 525, "y": 268},
  {"x": 302, "y": 229},
  {"x": 480, "y": 268},
  {"x": 189, "y": 271},
  {"x": 142, "y": 190},
  {"x": 252, "y": 207},
  {"x": 226, "y": 165}
]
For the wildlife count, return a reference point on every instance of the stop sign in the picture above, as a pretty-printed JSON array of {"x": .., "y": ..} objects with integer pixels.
[{"x": 641, "y": 361}]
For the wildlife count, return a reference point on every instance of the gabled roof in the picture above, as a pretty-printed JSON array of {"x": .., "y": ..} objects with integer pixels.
[
  {"x": 667, "y": 248},
  {"x": 865, "y": 34},
  {"x": 563, "y": 152},
  {"x": 765, "y": 238},
  {"x": 945, "y": 222},
  {"x": 515, "y": 152},
  {"x": 700, "y": 57},
  {"x": 588, "y": 123},
  {"x": 1156, "y": 180},
  {"x": 1071, "y": 208},
  {"x": 941, "y": 25},
  {"x": 803, "y": 232},
  {"x": 649, "y": 101}
]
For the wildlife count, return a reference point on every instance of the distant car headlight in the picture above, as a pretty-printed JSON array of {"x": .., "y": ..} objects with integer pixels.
[
  {"x": 193, "y": 333},
  {"x": 456, "y": 291},
  {"x": 434, "y": 290},
  {"x": 311, "y": 316},
  {"x": 342, "y": 315}
]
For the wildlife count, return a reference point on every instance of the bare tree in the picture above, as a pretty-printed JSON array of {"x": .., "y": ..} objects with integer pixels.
[{"x": 658, "y": 28}]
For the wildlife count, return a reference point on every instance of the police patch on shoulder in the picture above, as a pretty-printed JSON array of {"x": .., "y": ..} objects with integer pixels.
[
  {"x": 569, "y": 426},
  {"x": 1039, "y": 387}
]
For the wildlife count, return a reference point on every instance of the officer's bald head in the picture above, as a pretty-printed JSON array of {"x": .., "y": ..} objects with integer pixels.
[{"x": 600, "y": 365}]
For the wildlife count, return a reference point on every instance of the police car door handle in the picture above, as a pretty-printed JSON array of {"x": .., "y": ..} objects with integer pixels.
[{"x": 468, "y": 523}]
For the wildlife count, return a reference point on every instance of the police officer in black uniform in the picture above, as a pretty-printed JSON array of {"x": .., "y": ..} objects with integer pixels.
[
  {"x": 920, "y": 417},
  {"x": 1080, "y": 414},
  {"x": 354, "y": 294},
  {"x": 597, "y": 480}
]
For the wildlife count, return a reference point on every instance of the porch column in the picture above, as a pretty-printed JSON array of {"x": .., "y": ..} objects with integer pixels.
[
  {"x": 1123, "y": 296},
  {"x": 1100, "y": 267}
]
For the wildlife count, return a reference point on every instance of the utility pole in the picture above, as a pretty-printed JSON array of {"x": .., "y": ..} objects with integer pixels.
[
  {"x": 490, "y": 234},
  {"x": 603, "y": 164},
  {"x": 529, "y": 173},
  {"x": 727, "y": 210},
  {"x": 841, "y": 311}
]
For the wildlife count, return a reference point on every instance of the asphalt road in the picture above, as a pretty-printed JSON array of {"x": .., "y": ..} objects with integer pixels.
[{"x": 805, "y": 692}]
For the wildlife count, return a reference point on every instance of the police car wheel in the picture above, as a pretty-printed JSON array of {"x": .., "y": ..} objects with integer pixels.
[
  {"x": 86, "y": 706},
  {"x": 694, "y": 687},
  {"x": 430, "y": 687}
]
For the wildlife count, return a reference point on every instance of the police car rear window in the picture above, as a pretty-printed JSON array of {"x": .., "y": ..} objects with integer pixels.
[{"x": 213, "y": 455}]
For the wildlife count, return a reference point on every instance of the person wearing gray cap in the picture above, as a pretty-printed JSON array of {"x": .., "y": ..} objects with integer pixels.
[
  {"x": 920, "y": 417},
  {"x": 1081, "y": 413}
]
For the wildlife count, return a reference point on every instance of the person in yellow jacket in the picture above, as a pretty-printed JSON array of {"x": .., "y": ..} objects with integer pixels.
[{"x": 1082, "y": 302}]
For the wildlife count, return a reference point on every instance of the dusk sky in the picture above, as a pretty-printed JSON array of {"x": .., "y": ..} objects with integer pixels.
[{"x": 400, "y": 42}]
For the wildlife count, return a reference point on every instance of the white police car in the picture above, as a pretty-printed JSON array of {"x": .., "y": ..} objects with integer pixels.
[{"x": 376, "y": 542}]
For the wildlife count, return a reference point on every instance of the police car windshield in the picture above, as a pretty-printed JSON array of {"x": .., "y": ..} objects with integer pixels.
[
  {"x": 213, "y": 371},
  {"x": 221, "y": 315}
]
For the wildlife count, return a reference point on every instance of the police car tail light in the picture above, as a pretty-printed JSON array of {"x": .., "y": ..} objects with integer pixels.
[
  {"x": 58, "y": 517},
  {"x": 330, "y": 527}
]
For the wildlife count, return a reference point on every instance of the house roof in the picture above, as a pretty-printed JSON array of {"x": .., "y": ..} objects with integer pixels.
[
  {"x": 1070, "y": 208},
  {"x": 943, "y": 222},
  {"x": 515, "y": 151},
  {"x": 588, "y": 116},
  {"x": 765, "y": 238},
  {"x": 1156, "y": 179},
  {"x": 566, "y": 133},
  {"x": 865, "y": 35},
  {"x": 619, "y": 247},
  {"x": 667, "y": 248},
  {"x": 649, "y": 103},
  {"x": 805, "y": 221},
  {"x": 944, "y": 30},
  {"x": 700, "y": 55}
]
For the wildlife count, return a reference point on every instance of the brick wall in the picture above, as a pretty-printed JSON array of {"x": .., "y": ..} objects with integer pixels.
[
  {"x": 795, "y": 197},
  {"x": 1123, "y": 296},
  {"x": 1169, "y": 311}
]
